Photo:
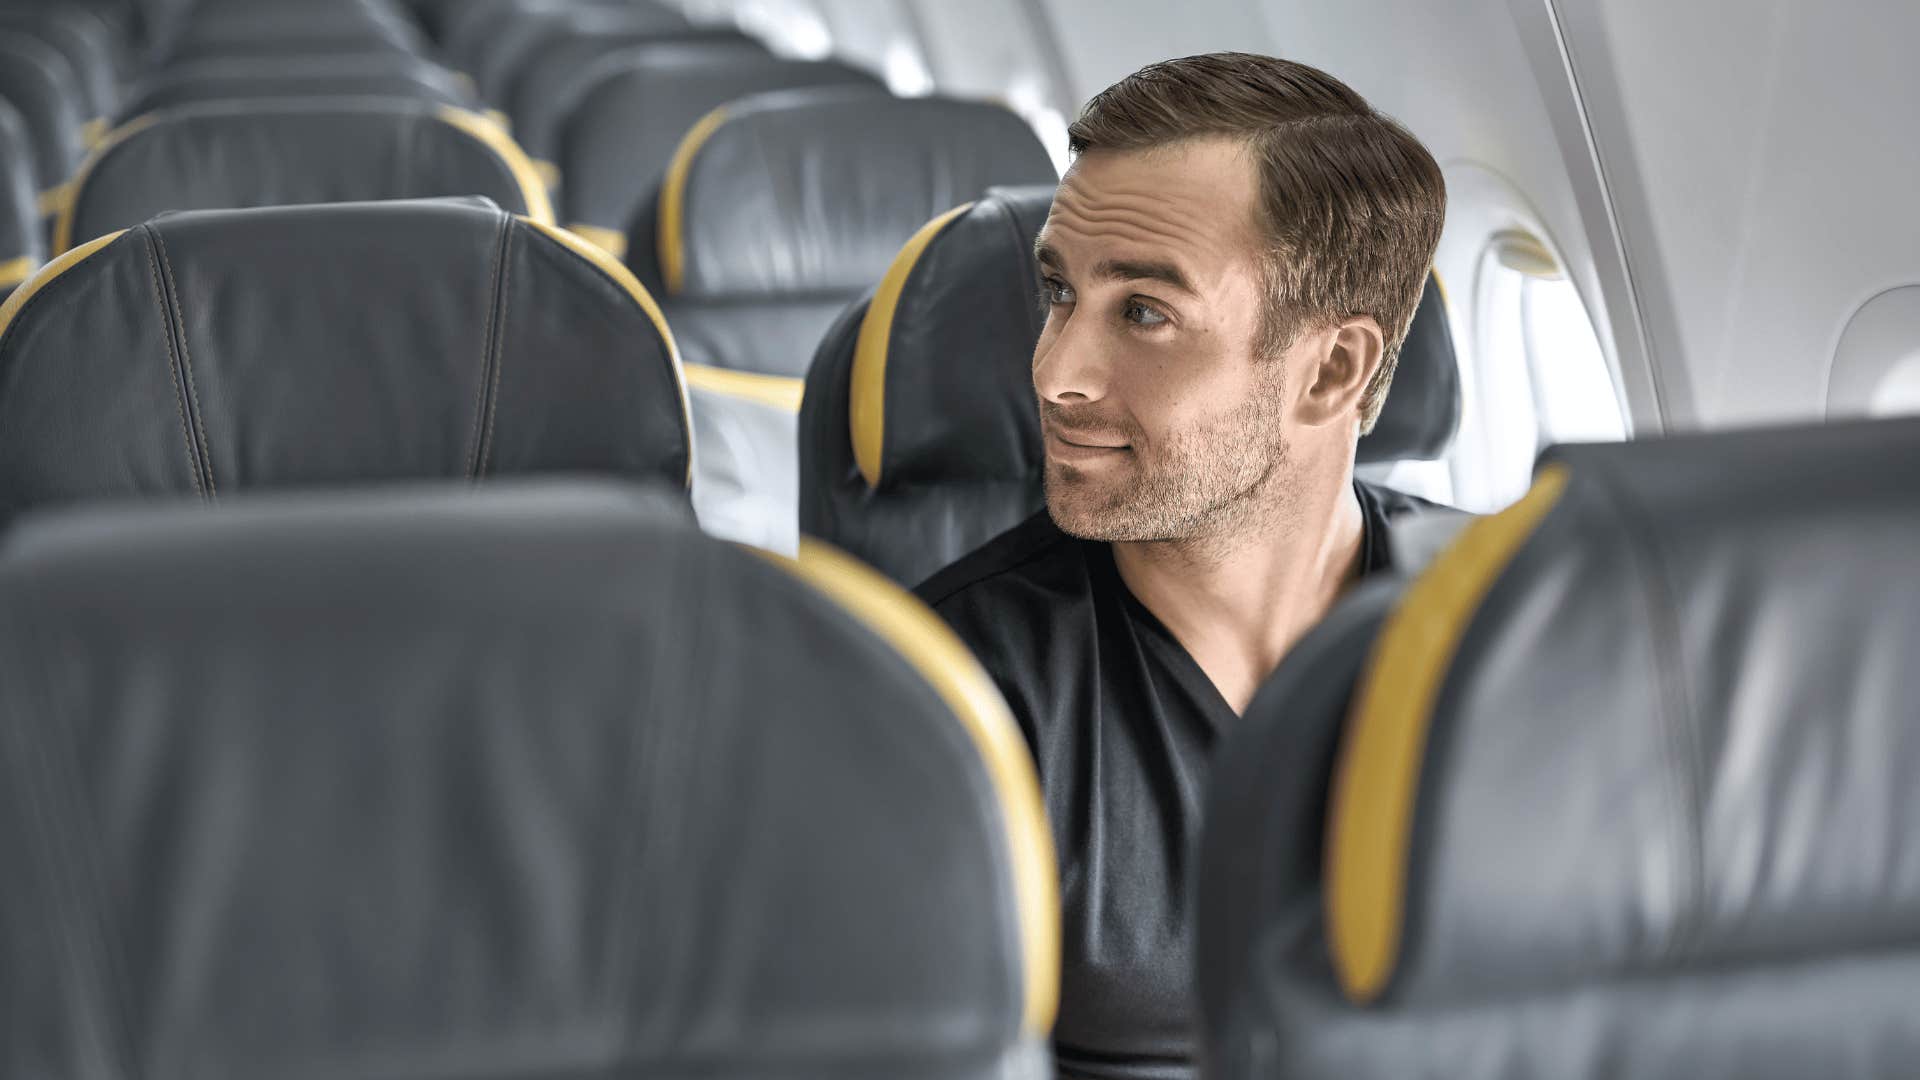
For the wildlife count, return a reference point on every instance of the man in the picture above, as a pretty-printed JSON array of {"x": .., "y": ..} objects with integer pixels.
[{"x": 1230, "y": 266}]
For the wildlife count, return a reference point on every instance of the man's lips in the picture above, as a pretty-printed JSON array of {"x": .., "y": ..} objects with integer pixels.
[{"x": 1079, "y": 447}]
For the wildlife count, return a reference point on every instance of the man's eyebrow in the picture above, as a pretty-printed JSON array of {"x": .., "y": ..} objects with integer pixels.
[
  {"x": 1044, "y": 254},
  {"x": 1134, "y": 270}
]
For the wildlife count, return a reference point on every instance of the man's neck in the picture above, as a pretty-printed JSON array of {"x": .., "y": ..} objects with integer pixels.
[{"x": 1238, "y": 603}]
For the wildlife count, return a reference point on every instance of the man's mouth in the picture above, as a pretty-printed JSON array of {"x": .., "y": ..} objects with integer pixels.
[{"x": 1078, "y": 446}]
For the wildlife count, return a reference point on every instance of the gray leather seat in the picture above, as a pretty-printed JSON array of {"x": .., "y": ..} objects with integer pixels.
[
  {"x": 379, "y": 75},
  {"x": 427, "y": 785},
  {"x": 919, "y": 438},
  {"x": 40, "y": 82},
  {"x": 87, "y": 43},
  {"x": 629, "y": 111},
  {"x": 468, "y": 28},
  {"x": 777, "y": 211},
  {"x": 502, "y": 57},
  {"x": 22, "y": 248},
  {"x": 279, "y": 27},
  {"x": 220, "y": 154},
  {"x": 559, "y": 73},
  {"x": 1620, "y": 786},
  {"x": 210, "y": 352}
]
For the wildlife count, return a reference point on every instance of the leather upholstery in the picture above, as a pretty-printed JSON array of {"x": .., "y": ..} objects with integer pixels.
[
  {"x": 254, "y": 29},
  {"x": 468, "y": 26},
  {"x": 85, "y": 42},
  {"x": 633, "y": 107},
  {"x": 235, "y": 78},
  {"x": 40, "y": 82},
  {"x": 502, "y": 56},
  {"x": 279, "y": 152},
  {"x": 961, "y": 459},
  {"x": 1662, "y": 818},
  {"x": 814, "y": 191},
  {"x": 558, "y": 75},
  {"x": 427, "y": 784},
  {"x": 214, "y": 351},
  {"x": 21, "y": 248}
]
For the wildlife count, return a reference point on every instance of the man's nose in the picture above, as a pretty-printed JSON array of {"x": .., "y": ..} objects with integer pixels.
[{"x": 1069, "y": 367}]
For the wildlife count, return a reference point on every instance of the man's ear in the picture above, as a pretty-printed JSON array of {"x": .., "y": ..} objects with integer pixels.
[{"x": 1339, "y": 365}]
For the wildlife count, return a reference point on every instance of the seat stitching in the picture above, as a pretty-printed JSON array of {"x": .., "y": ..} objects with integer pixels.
[
  {"x": 486, "y": 349},
  {"x": 173, "y": 364},
  {"x": 1681, "y": 744},
  {"x": 499, "y": 345},
  {"x": 186, "y": 365}
]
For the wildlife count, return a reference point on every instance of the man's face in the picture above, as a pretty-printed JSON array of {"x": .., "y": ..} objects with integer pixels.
[{"x": 1160, "y": 419}]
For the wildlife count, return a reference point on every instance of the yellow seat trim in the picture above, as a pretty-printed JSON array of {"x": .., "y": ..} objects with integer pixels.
[
  {"x": 1377, "y": 780},
  {"x": 1441, "y": 284},
  {"x": 63, "y": 238},
  {"x": 499, "y": 118},
  {"x": 533, "y": 189},
  {"x": 782, "y": 392},
  {"x": 549, "y": 173},
  {"x": 55, "y": 199},
  {"x": 673, "y": 200},
  {"x": 611, "y": 241},
  {"x": 94, "y": 130},
  {"x": 918, "y": 635},
  {"x": 45, "y": 276},
  {"x": 623, "y": 277},
  {"x": 867, "y": 395},
  {"x": 16, "y": 270}
]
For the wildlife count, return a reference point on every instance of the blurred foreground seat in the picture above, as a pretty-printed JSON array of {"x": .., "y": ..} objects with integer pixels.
[
  {"x": 1624, "y": 787},
  {"x": 430, "y": 785}
]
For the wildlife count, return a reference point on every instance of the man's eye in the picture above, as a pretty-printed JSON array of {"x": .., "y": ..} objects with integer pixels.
[
  {"x": 1054, "y": 292},
  {"x": 1140, "y": 314}
]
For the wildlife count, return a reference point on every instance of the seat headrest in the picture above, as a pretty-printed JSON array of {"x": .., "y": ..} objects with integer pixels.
[
  {"x": 501, "y": 56},
  {"x": 230, "y": 78},
  {"x": 212, "y": 351},
  {"x": 814, "y": 191},
  {"x": 930, "y": 384},
  {"x": 632, "y": 108},
  {"x": 233, "y": 154},
  {"x": 36, "y": 79},
  {"x": 477, "y": 783},
  {"x": 1637, "y": 750},
  {"x": 83, "y": 39}
]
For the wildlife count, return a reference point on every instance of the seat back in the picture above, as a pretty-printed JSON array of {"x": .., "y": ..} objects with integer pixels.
[
  {"x": 222, "y": 154},
  {"x": 560, "y": 72},
  {"x": 275, "y": 27},
  {"x": 631, "y": 110},
  {"x": 210, "y": 352},
  {"x": 371, "y": 75},
  {"x": 501, "y": 58},
  {"x": 88, "y": 45},
  {"x": 919, "y": 438},
  {"x": 776, "y": 211},
  {"x": 21, "y": 247},
  {"x": 435, "y": 785},
  {"x": 1619, "y": 786},
  {"x": 42, "y": 84}
]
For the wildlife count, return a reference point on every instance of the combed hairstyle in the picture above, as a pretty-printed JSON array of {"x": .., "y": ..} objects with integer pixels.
[{"x": 1350, "y": 201}]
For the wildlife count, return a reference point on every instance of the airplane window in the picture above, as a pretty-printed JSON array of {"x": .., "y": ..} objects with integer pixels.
[
  {"x": 1537, "y": 375},
  {"x": 1899, "y": 391},
  {"x": 792, "y": 27},
  {"x": 906, "y": 71}
]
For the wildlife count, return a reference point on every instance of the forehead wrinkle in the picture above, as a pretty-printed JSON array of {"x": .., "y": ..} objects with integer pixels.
[{"x": 1126, "y": 205}]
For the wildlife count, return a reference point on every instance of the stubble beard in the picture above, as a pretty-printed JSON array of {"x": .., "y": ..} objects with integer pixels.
[{"x": 1209, "y": 484}]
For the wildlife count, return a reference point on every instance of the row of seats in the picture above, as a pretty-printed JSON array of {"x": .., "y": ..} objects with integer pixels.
[{"x": 444, "y": 785}]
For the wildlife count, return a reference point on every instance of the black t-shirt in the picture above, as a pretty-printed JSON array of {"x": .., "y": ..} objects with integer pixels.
[{"x": 1121, "y": 720}]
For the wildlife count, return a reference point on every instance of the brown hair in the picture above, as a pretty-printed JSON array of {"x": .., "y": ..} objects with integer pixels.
[{"x": 1352, "y": 203}]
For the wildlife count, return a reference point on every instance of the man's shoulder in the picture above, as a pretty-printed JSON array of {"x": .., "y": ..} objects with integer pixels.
[
  {"x": 1392, "y": 503},
  {"x": 1029, "y": 553}
]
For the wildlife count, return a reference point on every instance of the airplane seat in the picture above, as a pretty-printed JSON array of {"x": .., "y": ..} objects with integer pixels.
[
  {"x": 559, "y": 74},
  {"x": 469, "y": 26},
  {"x": 253, "y": 28},
  {"x": 40, "y": 82},
  {"x": 380, "y": 75},
  {"x": 88, "y": 45},
  {"x": 22, "y": 244},
  {"x": 1618, "y": 786},
  {"x": 919, "y": 438},
  {"x": 208, "y": 352},
  {"x": 631, "y": 109},
  {"x": 503, "y": 55},
  {"x": 430, "y": 785},
  {"x": 284, "y": 151},
  {"x": 776, "y": 211}
]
